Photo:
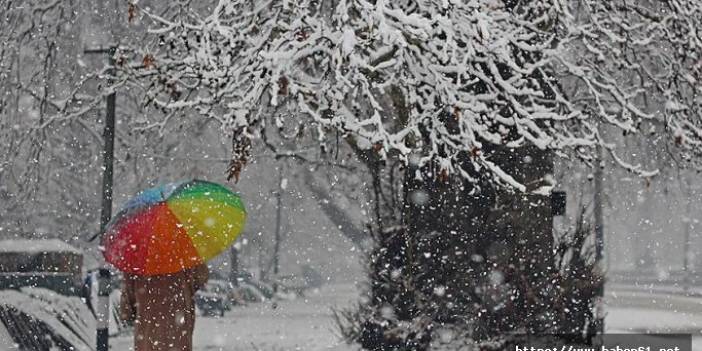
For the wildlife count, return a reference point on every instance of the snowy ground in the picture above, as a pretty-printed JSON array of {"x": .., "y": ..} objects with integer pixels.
[
  {"x": 303, "y": 324},
  {"x": 307, "y": 323},
  {"x": 630, "y": 310}
]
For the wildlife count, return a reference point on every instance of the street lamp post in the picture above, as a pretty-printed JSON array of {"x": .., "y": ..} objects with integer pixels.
[
  {"x": 599, "y": 233},
  {"x": 102, "y": 311},
  {"x": 109, "y": 140}
]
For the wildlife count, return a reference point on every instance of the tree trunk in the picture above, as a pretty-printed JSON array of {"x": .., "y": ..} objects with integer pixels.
[{"x": 482, "y": 246}]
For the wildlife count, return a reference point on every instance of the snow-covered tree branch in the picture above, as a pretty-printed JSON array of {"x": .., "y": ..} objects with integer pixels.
[
  {"x": 640, "y": 60},
  {"x": 439, "y": 81}
]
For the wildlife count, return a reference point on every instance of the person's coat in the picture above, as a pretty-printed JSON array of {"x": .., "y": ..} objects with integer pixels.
[{"x": 162, "y": 308}]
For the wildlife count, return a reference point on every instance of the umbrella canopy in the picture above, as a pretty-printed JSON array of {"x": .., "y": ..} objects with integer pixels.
[{"x": 173, "y": 227}]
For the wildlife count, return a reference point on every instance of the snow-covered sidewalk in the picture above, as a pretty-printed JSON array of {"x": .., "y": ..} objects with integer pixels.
[{"x": 303, "y": 324}]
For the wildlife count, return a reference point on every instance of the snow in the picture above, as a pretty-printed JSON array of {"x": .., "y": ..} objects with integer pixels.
[
  {"x": 6, "y": 342},
  {"x": 393, "y": 76},
  {"x": 349, "y": 41},
  {"x": 635, "y": 310},
  {"x": 69, "y": 317},
  {"x": 649, "y": 320},
  {"x": 305, "y": 324},
  {"x": 342, "y": 59},
  {"x": 36, "y": 246}
]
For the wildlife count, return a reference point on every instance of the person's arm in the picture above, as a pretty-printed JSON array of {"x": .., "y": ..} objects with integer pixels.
[
  {"x": 200, "y": 276},
  {"x": 127, "y": 304}
]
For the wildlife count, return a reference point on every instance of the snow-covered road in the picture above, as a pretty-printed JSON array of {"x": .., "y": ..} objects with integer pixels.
[
  {"x": 642, "y": 311},
  {"x": 647, "y": 311},
  {"x": 303, "y": 324}
]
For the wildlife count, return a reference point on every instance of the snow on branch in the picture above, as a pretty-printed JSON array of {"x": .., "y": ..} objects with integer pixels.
[{"x": 444, "y": 80}]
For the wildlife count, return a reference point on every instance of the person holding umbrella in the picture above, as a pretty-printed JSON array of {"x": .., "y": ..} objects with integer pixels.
[
  {"x": 162, "y": 309},
  {"x": 161, "y": 240}
]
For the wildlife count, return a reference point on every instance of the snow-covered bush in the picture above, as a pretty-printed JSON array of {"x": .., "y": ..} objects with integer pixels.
[
  {"x": 578, "y": 283},
  {"x": 490, "y": 308}
]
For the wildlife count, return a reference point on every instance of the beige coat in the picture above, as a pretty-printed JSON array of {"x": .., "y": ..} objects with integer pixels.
[{"x": 162, "y": 308}]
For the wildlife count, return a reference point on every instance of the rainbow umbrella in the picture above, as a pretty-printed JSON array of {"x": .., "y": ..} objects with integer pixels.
[{"x": 173, "y": 227}]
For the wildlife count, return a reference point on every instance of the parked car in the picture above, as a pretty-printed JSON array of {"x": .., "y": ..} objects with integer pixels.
[
  {"x": 51, "y": 264},
  {"x": 246, "y": 292},
  {"x": 214, "y": 298}
]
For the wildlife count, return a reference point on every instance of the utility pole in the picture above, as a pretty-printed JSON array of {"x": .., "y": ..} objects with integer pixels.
[
  {"x": 599, "y": 234},
  {"x": 104, "y": 285}
]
